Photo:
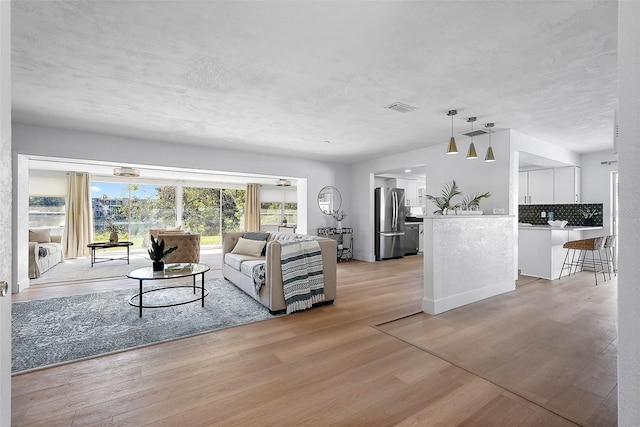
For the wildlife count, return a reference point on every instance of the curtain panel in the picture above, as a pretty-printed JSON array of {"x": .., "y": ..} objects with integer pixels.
[
  {"x": 252, "y": 208},
  {"x": 78, "y": 220}
]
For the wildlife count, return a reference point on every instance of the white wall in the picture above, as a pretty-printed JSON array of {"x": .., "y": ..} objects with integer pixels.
[
  {"x": 471, "y": 175},
  {"x": 629, "y": 242},
  {"x": 72, "y": 144},
  {"x": 5, "y": 212},
  {"x": 596, "y": 186}
]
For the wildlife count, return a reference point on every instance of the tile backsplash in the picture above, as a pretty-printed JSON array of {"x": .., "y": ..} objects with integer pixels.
[{"x": 570, "y": 212}]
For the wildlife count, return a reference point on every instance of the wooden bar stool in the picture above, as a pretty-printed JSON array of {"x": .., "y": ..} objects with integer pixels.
[
  {"x": 581, "y": 248},
  {"x": 609, "y": 244}
]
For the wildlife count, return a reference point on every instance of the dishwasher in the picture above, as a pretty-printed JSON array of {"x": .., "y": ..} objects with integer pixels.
[{"x": 411, "y": 238}]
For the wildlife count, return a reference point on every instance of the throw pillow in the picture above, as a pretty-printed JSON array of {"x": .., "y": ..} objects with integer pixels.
[
  {"x": 258, "y": 235},
  {"x": 249, "y": 247},
  {"x": 176, "y": 228},
  {"x": 40, "y": 236}
]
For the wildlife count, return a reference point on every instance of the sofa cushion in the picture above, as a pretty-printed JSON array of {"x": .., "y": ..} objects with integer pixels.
[
  {"x": 235, "y": 260},
  {"x": 247, "y": 266},
  {"x": 40, "y": 236},
  {"x": 249, "y": 247}
]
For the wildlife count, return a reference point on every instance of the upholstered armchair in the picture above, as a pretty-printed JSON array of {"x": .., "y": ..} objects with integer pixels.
[{"x": 188, "y": 246}]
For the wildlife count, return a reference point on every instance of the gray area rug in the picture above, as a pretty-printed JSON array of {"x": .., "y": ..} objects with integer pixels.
[{"x": 58, "y": 330}]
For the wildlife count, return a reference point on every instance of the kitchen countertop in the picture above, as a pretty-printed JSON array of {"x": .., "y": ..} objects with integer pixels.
[{"x": 566, "y": 228}]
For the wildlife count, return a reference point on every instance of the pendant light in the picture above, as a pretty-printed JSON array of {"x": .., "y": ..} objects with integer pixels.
[
  {"x": 489, "y": 157},
  {"x": 471, "y": 154},
  {"x": 452, "y": 142}
]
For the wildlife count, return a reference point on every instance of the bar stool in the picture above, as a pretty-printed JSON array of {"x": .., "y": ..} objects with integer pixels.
[
  {"x": 609, "y": 244},
  {"x": 581, "y": 247}
]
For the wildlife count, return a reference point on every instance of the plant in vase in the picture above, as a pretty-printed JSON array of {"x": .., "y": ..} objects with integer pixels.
[
  {"x": 589, "y": 215},
  {"x": 339, "y": 216},
  {"x": 472, "y": 201},
  {"x": 443, "y": 202},
  {"x": 113, "y": 230},
  {"x": 157, "y": 253}
]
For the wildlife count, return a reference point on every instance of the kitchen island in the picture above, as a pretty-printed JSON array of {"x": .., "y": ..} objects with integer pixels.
[{"x": 540, "y": 251}]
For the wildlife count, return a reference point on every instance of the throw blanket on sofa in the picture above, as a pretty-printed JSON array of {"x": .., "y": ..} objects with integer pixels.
[
  {"x": 42, "y": 252},
  {"x": 302, "y": 274},
  {"x": 257, "y": 272}
]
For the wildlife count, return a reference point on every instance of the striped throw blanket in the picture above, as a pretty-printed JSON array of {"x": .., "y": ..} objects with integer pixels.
[{"x": 302, "y": 275}]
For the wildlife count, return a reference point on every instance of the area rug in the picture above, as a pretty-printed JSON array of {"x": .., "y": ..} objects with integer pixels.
[
  {"x": 80, "y": 269},
  {"x": 59, "y": 330}
]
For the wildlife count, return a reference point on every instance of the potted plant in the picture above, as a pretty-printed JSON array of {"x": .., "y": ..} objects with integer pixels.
[
  {"x": 472, "y": 201},
  {"x": 443, "y": 202},
  {"x": 338, "y": 216},
  {"x": 112, "y": 229},
  {"x": 589, "y": 215},
  {"x": 157, "y": 253}
]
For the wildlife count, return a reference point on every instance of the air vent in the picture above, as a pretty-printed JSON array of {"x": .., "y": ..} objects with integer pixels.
[
  {"x": 401, "y": 108},
  {"x": 475, "y": 132}
]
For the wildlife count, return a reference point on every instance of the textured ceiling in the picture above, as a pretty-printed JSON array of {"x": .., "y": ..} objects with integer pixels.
[{"x": 289, "y": 76}]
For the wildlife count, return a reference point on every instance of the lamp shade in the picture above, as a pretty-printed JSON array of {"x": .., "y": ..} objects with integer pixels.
[
  {"x": 489, "y": 157},
  {"x": 453, "y": 149},
  {"x": 129, "y": 172},
  {"x": 472, "y": 152}
]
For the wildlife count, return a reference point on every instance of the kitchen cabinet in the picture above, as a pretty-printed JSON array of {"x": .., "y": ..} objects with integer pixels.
[
  {"x": 536, "y": 187},
  {"x": 566, "y": 185},
  {"x": 410, "y": 187}
]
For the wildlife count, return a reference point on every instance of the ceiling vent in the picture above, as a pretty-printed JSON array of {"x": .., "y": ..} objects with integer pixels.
[
  {"x": 475, "y": 132},
  {"x": 401, "y": 107}
]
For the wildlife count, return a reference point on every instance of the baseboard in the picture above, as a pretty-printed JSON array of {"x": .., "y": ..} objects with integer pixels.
[
  {"x": 434, "y": 307},
  {"x": 21, "y": 286}
]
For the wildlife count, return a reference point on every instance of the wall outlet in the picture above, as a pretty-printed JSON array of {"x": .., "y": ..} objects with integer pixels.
[
  {"x": 543, "y": 214},
  {"x": 498, "y": 211}
]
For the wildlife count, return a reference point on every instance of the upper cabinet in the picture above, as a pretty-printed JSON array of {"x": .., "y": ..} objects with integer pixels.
[
  {"x": 566, "y": 185},
  {"x": 546, "y": 186},
  {"x": 410, "y": 187},
  {"x": 536, "y": 187}
]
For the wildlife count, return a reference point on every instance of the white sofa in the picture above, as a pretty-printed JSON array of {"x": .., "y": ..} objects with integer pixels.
[
  {"x": 237, "y": 268},
  {"x": 45, "y": 251}
]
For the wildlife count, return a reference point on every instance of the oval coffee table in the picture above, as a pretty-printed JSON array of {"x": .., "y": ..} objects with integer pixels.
[{"x": 171, "y": 271}]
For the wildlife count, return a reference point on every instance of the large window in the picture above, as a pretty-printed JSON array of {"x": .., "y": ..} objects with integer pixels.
[
  {"x": 278, "y": 206},
  {"x": 212, "y": 211},
  {"x": 134, "y": 208}
]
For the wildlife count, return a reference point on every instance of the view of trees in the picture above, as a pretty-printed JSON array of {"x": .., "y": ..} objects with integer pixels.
[{"x": 208, "y": 211}]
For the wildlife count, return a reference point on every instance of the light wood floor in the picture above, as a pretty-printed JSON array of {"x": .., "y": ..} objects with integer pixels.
[{"x": 351, "y": 363}]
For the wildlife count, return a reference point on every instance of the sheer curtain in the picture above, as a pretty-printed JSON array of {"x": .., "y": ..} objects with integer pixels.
[
  {"x": 252, "y": 208},
  {"x": 77, "y": 227}
]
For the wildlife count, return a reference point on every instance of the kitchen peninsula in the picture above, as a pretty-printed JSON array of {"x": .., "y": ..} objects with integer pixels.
[
  {"x": 467, "y": 259},
  {"x": 540, "y": 251}
]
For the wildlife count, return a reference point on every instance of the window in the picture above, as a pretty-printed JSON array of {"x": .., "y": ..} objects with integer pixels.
[
  {"x": 275, "y": 213},
  {"x": 134, "y": 208},
  {"x": 46, "y": 211}
]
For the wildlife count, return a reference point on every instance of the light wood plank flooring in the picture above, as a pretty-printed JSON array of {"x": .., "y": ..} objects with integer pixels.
[{"x": 332, "y": 365}]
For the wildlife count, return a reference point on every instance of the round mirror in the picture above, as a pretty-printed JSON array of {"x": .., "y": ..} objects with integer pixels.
[{"x": 329, "y": 200}]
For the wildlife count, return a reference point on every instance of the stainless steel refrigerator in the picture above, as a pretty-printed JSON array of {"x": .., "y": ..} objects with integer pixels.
[{"x": 389, "y": 220}]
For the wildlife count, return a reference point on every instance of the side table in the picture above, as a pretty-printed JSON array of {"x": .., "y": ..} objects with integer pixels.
[{"x": 344, "y": 237}]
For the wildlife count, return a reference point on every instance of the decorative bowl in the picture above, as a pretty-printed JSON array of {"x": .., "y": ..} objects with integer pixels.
[{"x": 558, "y": 223}]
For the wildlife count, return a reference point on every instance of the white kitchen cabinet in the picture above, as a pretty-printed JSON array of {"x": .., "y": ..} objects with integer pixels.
[
  {"x": 536, "y": 187},
  {"x": 410, "y": 187},
  {"x": 566, "y": 185}
]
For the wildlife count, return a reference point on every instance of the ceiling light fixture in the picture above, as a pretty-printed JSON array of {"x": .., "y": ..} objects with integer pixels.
[
  {"x": 471, "y": 154},
  {"x": 453, "y": 149},
  {"x": 128, "y": 172},
  {"x": 283, "y": 183},
  {"x": 489, "y": 157}
]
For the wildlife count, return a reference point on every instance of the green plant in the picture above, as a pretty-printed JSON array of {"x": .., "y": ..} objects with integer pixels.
[
  {"x": 111, "y": 227},
  {"x": 157, "y": 252},
  {"x": 589, "y": 213},
  {"x": 473, "y": 200},
  {"x": 443, "y": 202}
]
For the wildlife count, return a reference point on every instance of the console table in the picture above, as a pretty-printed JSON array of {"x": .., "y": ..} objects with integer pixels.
[
  {"x": 344, "y": 237},
  {"x": 106, "y": 245}
]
